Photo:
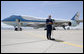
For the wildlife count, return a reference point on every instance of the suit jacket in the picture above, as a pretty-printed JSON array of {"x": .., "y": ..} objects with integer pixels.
[{"x": 49, "y": 26}]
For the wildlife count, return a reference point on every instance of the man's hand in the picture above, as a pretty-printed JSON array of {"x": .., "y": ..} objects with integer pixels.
[{"x": 50, "y": 23}]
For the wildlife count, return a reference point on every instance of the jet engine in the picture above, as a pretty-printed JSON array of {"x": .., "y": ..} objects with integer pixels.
[{"x": 73, "y": 23}]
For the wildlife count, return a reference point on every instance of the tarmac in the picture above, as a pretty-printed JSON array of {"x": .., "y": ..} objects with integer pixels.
[{"x": 35, "y": 41}]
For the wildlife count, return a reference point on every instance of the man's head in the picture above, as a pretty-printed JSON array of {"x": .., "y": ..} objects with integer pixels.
[{"x": 49, "y": 17}]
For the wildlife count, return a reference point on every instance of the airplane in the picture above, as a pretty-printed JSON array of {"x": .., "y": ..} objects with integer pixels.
[{"x": 35, "y": 22}]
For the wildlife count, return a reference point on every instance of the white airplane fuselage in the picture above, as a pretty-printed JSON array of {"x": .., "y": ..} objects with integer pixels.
[{"x": 26, "y": 21}]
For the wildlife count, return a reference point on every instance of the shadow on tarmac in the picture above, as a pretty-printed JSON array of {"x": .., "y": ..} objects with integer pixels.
[
  {"x": 33, "y": 42},
  {"x": 56, "y": 40}
]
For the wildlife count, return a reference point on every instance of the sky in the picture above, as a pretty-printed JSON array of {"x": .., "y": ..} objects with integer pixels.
[{"x": 57, "y": 9}]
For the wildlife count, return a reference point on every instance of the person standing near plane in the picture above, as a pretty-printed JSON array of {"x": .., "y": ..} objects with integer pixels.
[{"x": 49, "y": 23}]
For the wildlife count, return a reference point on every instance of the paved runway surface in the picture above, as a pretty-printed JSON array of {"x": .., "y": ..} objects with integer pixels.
[{"x": 34, "y": 41}]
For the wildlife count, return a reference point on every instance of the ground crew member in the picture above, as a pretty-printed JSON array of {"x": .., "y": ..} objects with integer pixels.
[{"x": 49, "y": 23}]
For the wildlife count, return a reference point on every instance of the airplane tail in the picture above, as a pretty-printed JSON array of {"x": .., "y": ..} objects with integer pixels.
[{"x": 76, "y": 16}]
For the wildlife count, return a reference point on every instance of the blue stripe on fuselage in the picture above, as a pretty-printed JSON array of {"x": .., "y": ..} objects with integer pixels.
[{"x": 13, "y": 18}]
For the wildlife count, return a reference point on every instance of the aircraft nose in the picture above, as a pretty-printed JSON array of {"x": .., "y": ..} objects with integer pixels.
[{"x": 3, "y": 20}]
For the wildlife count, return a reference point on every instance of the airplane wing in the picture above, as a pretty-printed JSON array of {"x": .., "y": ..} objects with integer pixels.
[
  {"x": 39, "y": 25},
  {"x": 61, "y": 23},
  {"x": 56, "y": 24}
]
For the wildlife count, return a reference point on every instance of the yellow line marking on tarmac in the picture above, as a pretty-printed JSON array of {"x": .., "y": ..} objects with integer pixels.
[{"x": 81, "y": 46}]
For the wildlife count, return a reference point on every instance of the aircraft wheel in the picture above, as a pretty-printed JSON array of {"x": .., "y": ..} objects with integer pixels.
[
  {"x": 68, "y": 28},
  {"x": 20, "y": 29},
  {"x": 16, "y": 29},
  {"x": 64, "y": 27},
  {"x": 45, "y": 29},
  {"x": 54, "y": 28}
]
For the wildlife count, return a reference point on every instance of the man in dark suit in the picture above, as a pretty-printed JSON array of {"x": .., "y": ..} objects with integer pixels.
[{"x": 49, "y": 23}]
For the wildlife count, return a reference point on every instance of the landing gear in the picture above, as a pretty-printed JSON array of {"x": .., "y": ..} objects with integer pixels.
[
  {"x": 54, "y": 28},
  {"x": 68, "y": 28},
  {"x": 45, "y": 29},
  {"x": 16, "y": 29},
  {"x": 20, "y": 29},
  {"x": 18, "y": 25},
  {"x": 64, "y": 27}
]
